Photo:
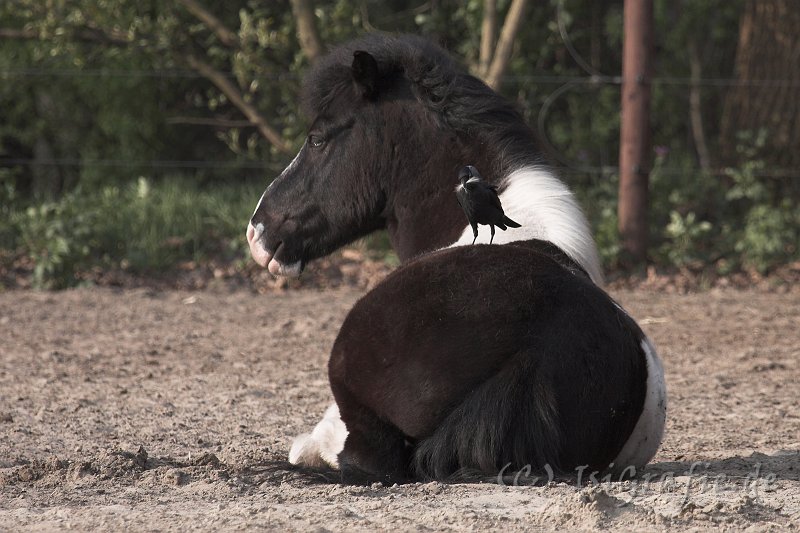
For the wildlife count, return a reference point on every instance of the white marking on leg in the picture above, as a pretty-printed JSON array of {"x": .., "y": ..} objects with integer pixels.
[
  {"x": 547, "y": 210},
  {"x": 648, "y": 432},
  {"x": 323, "y": 445}
]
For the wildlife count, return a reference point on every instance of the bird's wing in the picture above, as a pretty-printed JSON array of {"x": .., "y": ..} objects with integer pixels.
[
  {"x": 489, "y": 193},
  {"x": 486, "y": 205},
  {"x": 496, "y": 200}
]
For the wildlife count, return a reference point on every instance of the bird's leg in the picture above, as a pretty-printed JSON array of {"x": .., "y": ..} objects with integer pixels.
[
  {"x": 474, "y": 232},
  {"x": 492, "y": 237}
]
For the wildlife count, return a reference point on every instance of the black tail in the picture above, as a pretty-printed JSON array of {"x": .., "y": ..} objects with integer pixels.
[
  {"x": 510, "y": 223},
  {"x": 506, "y": 419}
]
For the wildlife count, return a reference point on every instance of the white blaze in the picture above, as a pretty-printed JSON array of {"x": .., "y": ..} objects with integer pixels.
[{"x": 261, "y": 255}]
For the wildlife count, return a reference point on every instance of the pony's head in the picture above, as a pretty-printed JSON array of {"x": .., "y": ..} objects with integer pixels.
[
  {"x": 392, "y": 119},
  {"x": 331, "y": 192}
]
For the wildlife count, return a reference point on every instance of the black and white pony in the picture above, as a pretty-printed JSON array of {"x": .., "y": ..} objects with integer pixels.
[{"x": 466, "y": 357}]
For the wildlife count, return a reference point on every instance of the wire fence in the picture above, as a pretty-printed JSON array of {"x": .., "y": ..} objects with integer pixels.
[
  {"x": 593, "y": 79},
  {"x": 132, "y": 163},
  {"x": 563, "y": 84}
]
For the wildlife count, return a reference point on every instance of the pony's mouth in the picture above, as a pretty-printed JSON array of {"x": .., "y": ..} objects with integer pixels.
[
  {"x": 278, "y": 268},
  {"x": 267, "y": 259}
]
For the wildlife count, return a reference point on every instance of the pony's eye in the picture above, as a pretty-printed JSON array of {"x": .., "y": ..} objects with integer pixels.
[{"x": 316, "y": 141}]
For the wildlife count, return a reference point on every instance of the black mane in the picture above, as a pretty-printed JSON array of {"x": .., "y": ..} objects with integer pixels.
[{"x": 457, "y": 99}]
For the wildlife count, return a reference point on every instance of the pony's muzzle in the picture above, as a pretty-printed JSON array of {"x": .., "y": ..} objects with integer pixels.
[
  {"x": 265, "y": 258},
  {"x": 260, "y": 254}
]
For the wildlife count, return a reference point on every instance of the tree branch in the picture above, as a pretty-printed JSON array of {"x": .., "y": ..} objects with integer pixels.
[
  {"x": 505, "y": 44},
  {"x": 14, "y": 33},
  {"x": 229, "y": 89},
  {"x": 488, "y": 36},
  {"x": 216, "y": 122},
  {"x": 307, "y": 33},
  {"x": 85, "y": 34},
  {"x": 226, "y": 36},
  {"x": 235, "y": 96}
]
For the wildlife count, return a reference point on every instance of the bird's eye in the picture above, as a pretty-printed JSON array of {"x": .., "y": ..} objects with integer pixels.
[{"x": 315, "y": 141}]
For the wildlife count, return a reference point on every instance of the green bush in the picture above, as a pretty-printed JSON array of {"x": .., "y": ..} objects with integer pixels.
[
  {"x": 740, "y": 219},
  {"x": 144, "y": 227},
  {"x": 770, "y": 235},
  {"x": 737, "y": 220},
  {"x": 59, "y": 237}
]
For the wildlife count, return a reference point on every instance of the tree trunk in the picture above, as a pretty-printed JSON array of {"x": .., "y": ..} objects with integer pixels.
[
  {"x": 502, "y": 55},
  {"x": 635, "y": 135},
  {"x": 307, "y": 34},
  {"x": 226, "y": 36},
  {"x": 488, "y": 36},
  {"x": 46, "y": 174},
  {"x": 696, "y": 106},
  {"x": 768, "y": 71}
]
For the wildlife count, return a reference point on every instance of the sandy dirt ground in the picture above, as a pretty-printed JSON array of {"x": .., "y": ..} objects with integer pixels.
[{"x": 166, "y": 410}]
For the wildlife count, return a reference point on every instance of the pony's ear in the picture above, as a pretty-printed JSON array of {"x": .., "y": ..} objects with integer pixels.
[{"x": 365, "y": 72}]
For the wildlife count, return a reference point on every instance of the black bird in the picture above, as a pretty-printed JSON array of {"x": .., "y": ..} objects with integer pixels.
[{"x": 480, "y": 202}]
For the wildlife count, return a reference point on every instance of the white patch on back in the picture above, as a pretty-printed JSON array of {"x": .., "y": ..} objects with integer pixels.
[
  {"x": 648, "y": 433},
  {"x": 547, "y": 210},
  {"x": 323, "y": 445}
]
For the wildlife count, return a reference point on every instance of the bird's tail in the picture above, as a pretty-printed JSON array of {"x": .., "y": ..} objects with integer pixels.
[{"x": 510, "y": 223}]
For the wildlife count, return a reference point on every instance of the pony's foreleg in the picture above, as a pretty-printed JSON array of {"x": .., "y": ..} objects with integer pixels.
[
  {"x": 474, "y": 232},
  {"x": 322, "y": 446},
  {"x": 374, "y": 449},
  {"x": 492, "y": 237}
]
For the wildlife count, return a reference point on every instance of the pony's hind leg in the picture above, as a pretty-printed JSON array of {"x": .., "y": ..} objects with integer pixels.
[{"x": 374, "y": 449}]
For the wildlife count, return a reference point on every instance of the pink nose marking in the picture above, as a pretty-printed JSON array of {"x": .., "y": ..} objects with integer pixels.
[{"x": 257, "y": 250}]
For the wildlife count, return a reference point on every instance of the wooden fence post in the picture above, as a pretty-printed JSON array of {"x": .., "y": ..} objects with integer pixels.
[{"x": 634, "y": 152}]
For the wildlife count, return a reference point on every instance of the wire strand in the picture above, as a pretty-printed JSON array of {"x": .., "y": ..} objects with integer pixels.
[
  {"x": 569, "y": 168},
  {"x": 562, "y": 29},
  {"x": 73, "y": 162},
  {"x": 593, "y": 79}
]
